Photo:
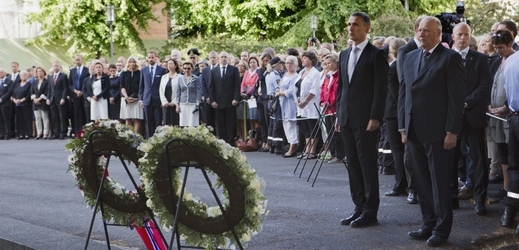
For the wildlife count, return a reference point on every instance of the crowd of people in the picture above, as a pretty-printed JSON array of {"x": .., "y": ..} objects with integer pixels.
[{"x": 439, "y": 110}]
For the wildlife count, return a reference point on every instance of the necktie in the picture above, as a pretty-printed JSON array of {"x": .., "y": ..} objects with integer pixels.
[
  {"x": 151, "y": 74},
  {"x": 78, "y": 83},
  {"x": 425, "y": 56},
  {"x": 223, "y": 72},
  {"x": 55, "y": 78},
  {"x": 464, "y": 57},
  {"x": 352, "y": 61}
]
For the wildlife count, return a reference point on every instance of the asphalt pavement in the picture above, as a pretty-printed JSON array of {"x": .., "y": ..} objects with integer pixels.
[{"x": 40, "y": 208}]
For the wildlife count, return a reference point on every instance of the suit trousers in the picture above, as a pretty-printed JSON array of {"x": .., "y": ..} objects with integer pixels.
[
  {"x": 433, "y": 170},
  {"x": 474, "y": 139},
  {"x": 513, "y": 160},
  {"x": 5, "y": 121},
  {"x": 153, "y": 116},
  {"x": 210, "y": 116},
  {"x": 59, "y": 118},
  {"x": 403, "y": 172},
  {"x": 78, "y": 111},
  {"x": 226, "y": 124},
  {"x": 264, "y": 119},
  {"x": 361, "y": 152}
]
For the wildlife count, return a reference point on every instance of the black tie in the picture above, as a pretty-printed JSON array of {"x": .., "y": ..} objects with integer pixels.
[
  {"x": 425, "y": 56},
  {"x": 151, "y": 74},
  {"x": 223, "y": 72}
]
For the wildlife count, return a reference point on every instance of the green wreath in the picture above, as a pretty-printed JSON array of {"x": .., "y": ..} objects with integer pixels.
[
  {"x": 121, "y": 206},
  {"x": 201, "y": 225}
]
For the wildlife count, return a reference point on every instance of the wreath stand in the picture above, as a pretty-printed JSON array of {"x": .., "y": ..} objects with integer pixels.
[
  {"x": 188, "y": 165},
  {"x": 99, "y": 202}
]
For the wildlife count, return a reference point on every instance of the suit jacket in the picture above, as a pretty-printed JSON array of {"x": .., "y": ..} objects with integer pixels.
[
  {"x": 73, "y": 80},
  {"x": 87, "y": 84},
  {"x": 224, "y": 90},
  {"x": 205, "y": 80},
  {"x": 477, "y": 88},
  {"x": 149, "y": 90},
  {"x": 432, "y": 98},
  {"x": 16, "y": 80},
  {"x": 364, "y": 97},
  {"x": 59, "y": 89},
  {"x": 41, "y": 92},
  {"x": 6, "y": 91},
  {"x": 105, "y": 88},
  {"x": 402, "y": 51},
  {"x": 392, "y": 93}
]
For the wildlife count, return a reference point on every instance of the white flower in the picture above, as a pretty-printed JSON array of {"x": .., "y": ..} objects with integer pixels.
[
  {"x": 145, "y": 147},
  {"x": 255, "y": 184},
  {"x": 188, "y": 196},
  {"x": 149, "y": 203},
  {"x": 245, "y": 237}
]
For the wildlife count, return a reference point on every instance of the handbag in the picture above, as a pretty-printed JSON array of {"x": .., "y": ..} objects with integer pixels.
[
  {"x": 273, "y": 105},
  {"x": 248, "y": 145}
]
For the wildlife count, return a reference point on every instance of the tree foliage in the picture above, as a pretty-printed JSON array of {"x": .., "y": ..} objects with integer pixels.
[
  {"x": 83, "y": 24},
  {"x": 483, "y": 14}
]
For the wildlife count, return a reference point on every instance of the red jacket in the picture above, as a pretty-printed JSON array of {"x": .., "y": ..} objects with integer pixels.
[{"x": 329, "y": 92}]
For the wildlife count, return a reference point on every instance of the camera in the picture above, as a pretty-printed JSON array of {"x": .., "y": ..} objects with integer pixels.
[
  {"x": 313, "y": 39},
  {"x": 449, "y": 20}
]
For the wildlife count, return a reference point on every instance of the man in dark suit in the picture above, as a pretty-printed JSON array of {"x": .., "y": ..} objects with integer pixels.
[
  {"x": 6, "y": 91},
  {"x": 477, "y": 94},
  {"x": 224, "y": 92},
  {"x": 209, "y": 112},
  {"x": 15, "y": 78},
  {"x": 77, "y": 76},
  {"x": 430, "y": 103},
  {"x": 402, "y": 51},
  {"x": 149, "y": 97},
  {"x": 57, "y": 99},
  {"x": 361, "y": 97}
]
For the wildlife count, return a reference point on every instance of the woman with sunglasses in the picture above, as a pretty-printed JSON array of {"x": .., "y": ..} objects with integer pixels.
[{"x": 189, "y": 92}]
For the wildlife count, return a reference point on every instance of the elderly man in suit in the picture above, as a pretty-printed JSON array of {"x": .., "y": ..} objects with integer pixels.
[
  {"x": 361, "y": 96},
  {"x": 477, "y": 95},
  {"x": 208, "y": 112},
  {"x": 57, "y": 99},
  {"x": 431, "y": 110},
  {"x": 224, "y": 92},
  {"x": 149, "y": 97},
  {"x": 77, "y": 76},
  {"x": 6, "y": 91}
]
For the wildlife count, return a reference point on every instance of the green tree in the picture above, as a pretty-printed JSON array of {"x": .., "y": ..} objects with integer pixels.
[
  {"x": 82, "y": 23},
  {"x": 483, "y": 14}
]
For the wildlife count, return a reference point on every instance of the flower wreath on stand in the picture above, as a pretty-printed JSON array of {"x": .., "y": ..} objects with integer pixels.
[
  {"x": 122, "y": 206},
  {"x": 200, "y": 225}
]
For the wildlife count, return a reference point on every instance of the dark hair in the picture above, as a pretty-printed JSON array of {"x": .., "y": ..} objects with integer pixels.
[
  {"x": 511, "y": 26},
  {"x": 311, "y": 55},
  {"x": 502, "y": 37},
  {"x": 44, "y": 72},
  {"x": 254, "y": 58},
  {"x": 292, "y": 52},
  {"x": 364, "y": 16},
  {"x": 112, "y": 66},
  {"x": 188, "y": 63},
  {"x": 177, "y": 66},
  {"x": 270, "y": 51}
]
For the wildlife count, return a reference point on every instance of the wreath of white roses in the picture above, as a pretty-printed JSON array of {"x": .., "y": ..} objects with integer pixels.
[
  {"x": 122, "y": 206},
  {"x": 242, "y": 188}
]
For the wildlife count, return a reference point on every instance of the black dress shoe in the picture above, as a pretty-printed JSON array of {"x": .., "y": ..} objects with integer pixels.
[
  {"x": 455, "y": 203},
  {"x": 272, "y": 150},
  {"x": 496, "y": 179},
  {"x": 507, "y": 220},
  {"x": 436, "y": 241},
  {"x": 62, "y": 137},
  {"x": 412, "y": 199},
  {"x": 388, "y": 170},
  {"x": 290, "y": 155},
  {"x": 420, "y": 234},
  {"x": 352, "y": 217},
  {"x": 53, "y": 137},
  {"x": 364, "y": 221},
  {"x": 394, "y": 193},
  {"x": 480, "y": 208}
]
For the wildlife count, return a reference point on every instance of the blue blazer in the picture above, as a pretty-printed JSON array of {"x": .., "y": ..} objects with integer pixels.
[{"x": 149, "y": 90}]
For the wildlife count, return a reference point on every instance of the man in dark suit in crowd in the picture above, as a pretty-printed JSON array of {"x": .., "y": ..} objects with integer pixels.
[
  {"x": 477, "y": 94},
  {"x": 361, "y": 97},
  {"x": 6, "y": 91},
  {"x": 77, "y": 76},
  {"x": 402, "y": 51},
  {"x": 57, "y": 99},
  {"x": 224, "y": 92},
  {"x": 149, "y": 97},
  {"x": 430, "y": 103},
  {"x": 15, "y": 78},
  {"x": 209, "y": 112}
]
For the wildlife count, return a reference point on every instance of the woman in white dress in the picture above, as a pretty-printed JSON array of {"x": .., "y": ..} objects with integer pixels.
[
  {"x": 168, "y": 93},
  {"x": 189, "y": 92},
  {"x": 98, "y": 93},
  {"x": 130, "y": 109}
]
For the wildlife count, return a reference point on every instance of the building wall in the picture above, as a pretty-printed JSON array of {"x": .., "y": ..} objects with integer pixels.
[{"x": 159, "y": 29}]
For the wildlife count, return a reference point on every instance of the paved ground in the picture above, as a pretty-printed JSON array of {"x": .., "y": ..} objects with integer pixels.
[{"x": 40, "y": 208}]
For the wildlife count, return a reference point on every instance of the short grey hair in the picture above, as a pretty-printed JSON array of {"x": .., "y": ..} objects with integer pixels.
[{"x": 293, "y": 59}]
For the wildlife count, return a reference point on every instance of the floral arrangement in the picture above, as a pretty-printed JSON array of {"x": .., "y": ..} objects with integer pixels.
[
  {"x": 244, "y": 202},
  {"x": 122, "y": 206}
]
